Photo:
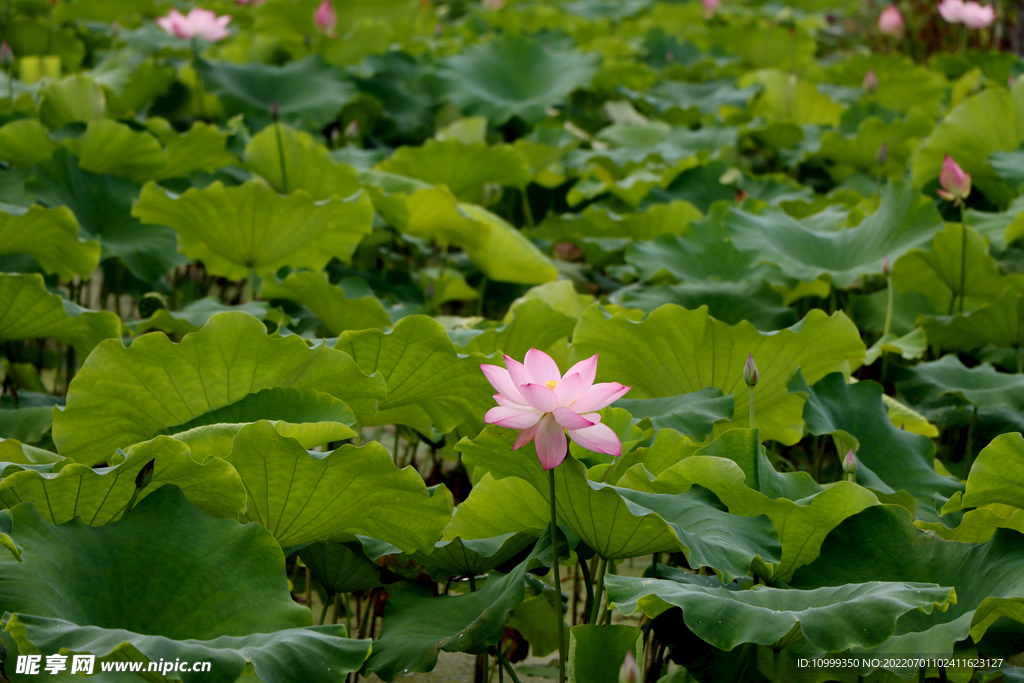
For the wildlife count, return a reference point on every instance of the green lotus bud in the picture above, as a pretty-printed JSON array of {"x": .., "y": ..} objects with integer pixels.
[
  {"x": 629, "y": 672},
  {"x": 145, "y": 475},
  {"x": 750, "y": 375},
  {"x": 850, "y": 463}
]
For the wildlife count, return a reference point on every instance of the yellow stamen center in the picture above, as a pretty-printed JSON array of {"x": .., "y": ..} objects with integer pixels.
[{"x": 550, "y": 384}]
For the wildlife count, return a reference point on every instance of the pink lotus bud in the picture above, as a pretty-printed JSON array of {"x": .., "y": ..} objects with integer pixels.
[
  {"x": 711, "y": 7},
  {"x": 883, "y": 154},
  {"x": 850, "y": 463},
  {"x": 750, "y": 375},
  {"x": 886, "y": 267},
  {"x": 1011, "y": 81},
  {"x": 870, "y": 82},
  {"x": 629, "y": 672},
  {"x": 494, "y": 5},
  {"x": 6, "y": 56},
  {"x": 890, "y": 21},
  {"x": 955, "y": 182},
  {"x": 325, "y": 18}
]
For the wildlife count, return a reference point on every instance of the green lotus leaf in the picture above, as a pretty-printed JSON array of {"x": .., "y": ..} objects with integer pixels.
[
  {"x": 75, "y": 98},
  {"x": 308, "y": 93},
  {"x": 851, "y": 151},
  {"x": 601, "y": 223},
  {"x": 25, "y": 142},
  {"x": 911, "y": 345},
  {"x": 193, "y": 316},
  {"x": 417, "y": 625},
  {"x": 31, "y": 312},
  {"x": 336, "y": 308},
  {"x": 785, "y": 98},
  {"x": 474, "y": 557},
  {"x": 981, "y": 385},
  {"x": 668, "y": 448},
  {"x": 506, "y": 255},
  {"x": 675, "y": 351},
  {"x": 233, "y": 230},
  {"x": 303, "y": 496},
  {"x": 856, "y": 615},
  {"x": 596, "y": 652},
  {"x": 50, "y": 236},
  {"x": 621, "y": 522},
  {"x": 19, "y": 456},
  {"x": 100, "y": 496},
  {"x": 691, "y": 414},
  {"x": 731, "y": 302},
  {"x": 306, "y": 163},
  {"x": 903, "y": 85},
  {"x": 990, "y": 121},
  {"x": 31, "y": 419},
  {"x": 429, "y": 383},
  {"x": 803, "y": 512},
  {"x": 532, "y": 323},
  {"x": 203, "y": 147},
  {"x": 999, "y": 322},
  {"x": 1006, "y": 164},
  {"x": 891, "y": 459},
  {"x": 341, "y": 567},
  {"x": 708, "y": 97},
  {"x": 55, "y": 606},
  {"x": 937, "y": 273},
  {"x": 818, "y": 245},
  {"x": 704, "y": 252},
  {"x": 112, "y": 148},
  {"x": 102, "y": 204},
  {"x": 987, "y": 577},
  {"x": 633, "y": 144},
  {"x": 462, "y": 168},
  {"x": 122, "y": 396},
  {"x": 534, "y": 619},
  {"x": 514, "y": 76},
  {"x": 999, "y": 227},
  {"x": 498, "y": 507},
  {"x": 418, "y": 209}
]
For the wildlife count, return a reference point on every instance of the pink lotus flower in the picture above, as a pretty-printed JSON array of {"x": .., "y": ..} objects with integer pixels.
[
  {"x": 325, "y": 18},
  {"x": 710, "y": 7},
  {"x": 976, "y": 15},
  {"x": 199, "y": 23},
  {"x": 955, "y": 182},
  {"x": 890, "y": 21},
  {"x": 494, "y": 5},
  {"x": 951, "y": 10},
  {"x": 534, "y": 397},
  {"x": 870, "y": 82}
]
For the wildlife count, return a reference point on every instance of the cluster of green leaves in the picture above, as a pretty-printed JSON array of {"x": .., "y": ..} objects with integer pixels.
[{"x": 246, "y": 288}]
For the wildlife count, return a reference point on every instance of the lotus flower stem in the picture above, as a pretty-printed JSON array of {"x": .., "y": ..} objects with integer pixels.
[
  {"x": 602, "y": 567},
  {"x": 891, "y": 294},
  {"x": 750, "y": 390},
  {"x": 323, "y": 612},
  {"x": 1020, "y": 366},
  {"x": 200, "y": 93},
  {"x": 250, "y": 285},
  {"x": 280, "y": 156},
  {"x": 969, "y": 446},
  {"x": 963, "y": 257},
  {"x": 309, "y": 589},
  {"x": 348, "y": 616},
  {"x": 558, "y": 583},
  {"x": 505, "y": 665},
  {"x": 589, "y": 584}
]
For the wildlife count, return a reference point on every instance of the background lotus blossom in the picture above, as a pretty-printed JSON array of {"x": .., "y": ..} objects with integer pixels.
[
  {"x": 198, "y": 23},
  {"x": 955, "y": 182},
  {"x": 534, "y": 397},
  {"x": 971, "y": 13},
  {"x": 325, "y": 18},
  {"x": 711, "y": 6},
  {"x": 890, "y": 21}
]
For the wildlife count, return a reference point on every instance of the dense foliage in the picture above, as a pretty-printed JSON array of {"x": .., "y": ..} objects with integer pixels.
[{"x": 250, "y": 269}]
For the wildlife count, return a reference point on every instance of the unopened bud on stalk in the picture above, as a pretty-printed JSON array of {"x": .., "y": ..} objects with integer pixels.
[
  {"x": 850, "y": 463},
  {"x": 629, "y": 672},
  {"x": 145, "y": 475},
  {"x": 883, "y": 154},
  {"x": 886, "y": 266},
  {"x": 6, "y": 56},
  {"x": 750, "y": 375},
  {"x": 870, "y": 82},
  {"x": 352, "y": 130}
]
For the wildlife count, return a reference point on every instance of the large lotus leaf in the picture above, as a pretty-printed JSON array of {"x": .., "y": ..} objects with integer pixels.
[
  {"x": 1000, "y": 227},
  {"x": 995, "y": 485},
  {"x": 937, "y": 273},
  {"x": 991, "y": 121},
  {"x": 900, "y": 460},
  {"x": 31, "y": 312},
  {"x": 532, "y": 323},
  {"x": 785, "y": 98},
  {"x": 514, "y": 76},
  {"x": 599, "y": 222},
  {"x": 709, "y": 97},
  {"x": 848, "y": 151},
  {"x": 810, "y": 248},
  {"x": 293, "y": 21},
  {"x": 417, "y": 625},
  {"x": 982, "y": 385},
  {"x": 911, "y": 345},
  {"x": 753, "y": 300},
  {"x": 194, "y": 315},
  {"x": 497, "y": 507},
  {"x": 632, "y": 144},
  {"x": 336, "y": 309},
  {"x": 693, "y": 414},
  {"x": 1000, "y": 322},
  {"x": 419, "y": 209},
  {"x": 100, "y": 496},
  {"x": 675, "y": 351},
  {"x": 803, "y": 512},
  {"x": 149, "y": 555},
  {"x": 429, "y": 383},
  {"x": 596, "y": 652},
  {"x": 233, "y": 230},
  {"x": 25, "y": 142},
  {"x": 506, "y": 255},
  {"x": 668, "y": 448},
  {"x": 75, "y": 98},
  {"x": 31, "y": 419},
  {"x": 703, "y": 252},
  {"x": 308, "y": 93},
  {"x": 203, "y": 147},
  {"x": 50, "y": 236},
  {"x": 20, "y": 456},
  {"x": 988, "y": 577},
  {"x": 856, "y": 615},
  {"x": 303, "y": 496},
  {"x": 474, "y": 557},
  {"x": 112, "y": 148},
  {"x": 102, "y": 204},
  {"x": 462, "y": 168},
  {"x": 306, "y": 164},
  {"x": 341, "y": 567},
  {"x": 122, "y": 396},
  {"x": 620, "y": 522}
]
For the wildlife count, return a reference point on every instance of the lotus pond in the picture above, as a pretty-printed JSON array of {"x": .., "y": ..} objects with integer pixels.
[{"x": 597, "y": 340}]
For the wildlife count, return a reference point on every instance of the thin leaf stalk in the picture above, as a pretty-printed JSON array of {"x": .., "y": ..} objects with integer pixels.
[{"x": 558, "y": 583}]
